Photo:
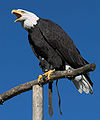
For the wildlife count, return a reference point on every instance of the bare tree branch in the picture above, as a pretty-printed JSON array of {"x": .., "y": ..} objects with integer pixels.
[{"x": 70, "y": 73}]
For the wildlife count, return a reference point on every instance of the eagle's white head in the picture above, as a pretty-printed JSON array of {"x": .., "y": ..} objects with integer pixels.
[{"x": 26, "y": 18}]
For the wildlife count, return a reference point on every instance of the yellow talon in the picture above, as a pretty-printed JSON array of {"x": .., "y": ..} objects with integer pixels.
[
  {"x": 39, "y": 78},
  {"x": 46, "y": 74}
]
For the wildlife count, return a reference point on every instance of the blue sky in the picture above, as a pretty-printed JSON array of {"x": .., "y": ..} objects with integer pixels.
[{"x": 81, "y": 20}]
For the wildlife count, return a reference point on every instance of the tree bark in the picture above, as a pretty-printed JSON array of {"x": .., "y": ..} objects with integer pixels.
[{"x": 70, "y": 73}]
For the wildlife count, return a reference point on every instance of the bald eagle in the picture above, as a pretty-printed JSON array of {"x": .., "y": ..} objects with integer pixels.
[{"x": 53, "y": 47}]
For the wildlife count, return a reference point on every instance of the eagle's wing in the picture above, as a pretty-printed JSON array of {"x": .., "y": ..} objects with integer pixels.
[{"x": 59, "y": 40}]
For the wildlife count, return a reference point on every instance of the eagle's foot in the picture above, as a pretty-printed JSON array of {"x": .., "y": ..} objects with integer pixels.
[
  {"x": 47, "y": 74},
  {"x": 39, "y": 78}
]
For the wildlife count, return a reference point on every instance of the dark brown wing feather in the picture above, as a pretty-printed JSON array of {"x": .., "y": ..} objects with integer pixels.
[{"x": 61, "y": 42}]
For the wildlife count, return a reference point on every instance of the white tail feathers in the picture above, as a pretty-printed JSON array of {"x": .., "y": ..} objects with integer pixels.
[{"x": 82, "y": 84}]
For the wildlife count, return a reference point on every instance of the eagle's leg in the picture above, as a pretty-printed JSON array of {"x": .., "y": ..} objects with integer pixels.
[{"x": 47, "y": 74}]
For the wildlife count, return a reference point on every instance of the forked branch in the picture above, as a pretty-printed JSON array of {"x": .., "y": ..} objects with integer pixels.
[{"x": 70, "y": 73}]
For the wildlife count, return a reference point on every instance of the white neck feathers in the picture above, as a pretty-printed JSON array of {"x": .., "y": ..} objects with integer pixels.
[{"x": 30, "y": 21}]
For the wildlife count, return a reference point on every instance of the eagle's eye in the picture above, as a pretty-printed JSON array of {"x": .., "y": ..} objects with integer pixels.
[{"x": 22, "y": 11}]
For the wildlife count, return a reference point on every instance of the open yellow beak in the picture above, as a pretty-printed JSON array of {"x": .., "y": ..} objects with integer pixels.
[{"x": 18, "y": 14}]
